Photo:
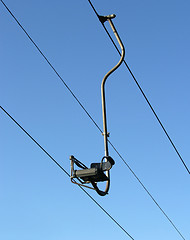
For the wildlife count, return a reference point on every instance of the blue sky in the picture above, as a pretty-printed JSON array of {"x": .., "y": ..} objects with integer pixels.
[{"x": 37, "y": 199}]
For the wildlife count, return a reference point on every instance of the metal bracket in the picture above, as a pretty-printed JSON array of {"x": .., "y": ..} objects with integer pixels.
[
  {"x": 108, "y": 134},
  {"x": 103, "y": 19}
]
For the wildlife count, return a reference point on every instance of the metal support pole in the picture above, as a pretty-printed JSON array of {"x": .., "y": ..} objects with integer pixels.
[{"x": 105, "y": 133}]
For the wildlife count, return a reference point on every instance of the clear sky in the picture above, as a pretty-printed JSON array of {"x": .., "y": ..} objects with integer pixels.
[{"x": 37, "y": 200}]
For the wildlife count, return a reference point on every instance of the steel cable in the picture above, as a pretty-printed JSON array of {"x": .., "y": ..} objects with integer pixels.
[
  {"x": 18, "y": 125},
  {"x": 87, "y": 111},
  {"x": 142, "y": 92}
]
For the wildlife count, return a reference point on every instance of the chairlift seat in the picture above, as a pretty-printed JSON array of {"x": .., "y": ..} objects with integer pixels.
[
  {"x": 94, "y": 174},
  {"x": 98, "y": 172}
]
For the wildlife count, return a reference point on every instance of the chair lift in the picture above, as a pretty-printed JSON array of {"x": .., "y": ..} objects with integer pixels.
[{"x": 98, "y": 172}]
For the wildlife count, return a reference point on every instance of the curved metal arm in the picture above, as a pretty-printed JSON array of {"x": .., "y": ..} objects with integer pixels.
[{"x": 105, "y": 133}]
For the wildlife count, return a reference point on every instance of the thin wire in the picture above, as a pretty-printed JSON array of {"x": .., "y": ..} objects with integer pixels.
[
  {"x": 18, "y": 125},
  {"x": 34, "y": 141},
  {"x": 150, "y": 195},
  {"x": 153, "y": 199},
  {"x": 43, "y": 55},
  {"x": 144, "y": 95},
  {"x": 87, "y": 111}
]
